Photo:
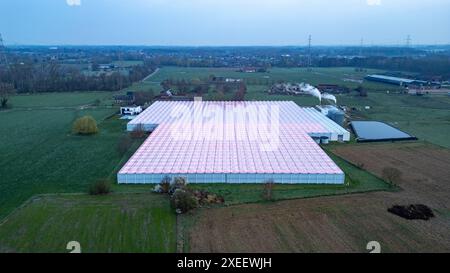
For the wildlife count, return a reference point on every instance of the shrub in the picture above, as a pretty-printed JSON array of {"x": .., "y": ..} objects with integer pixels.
[
  {"x": 178, "y": 183},
  {"x": 124, "y": 145},
  {"x": 85, "y": 126},
  {"x": 165, "y": 184},
  {"x": 100, "y": 187},
  {"x": 269, "y": 185},
  {"x": 183, "y": 201}
]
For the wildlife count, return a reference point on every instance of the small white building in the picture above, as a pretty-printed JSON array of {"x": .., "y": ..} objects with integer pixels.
[{"x": 130, "y": 110}]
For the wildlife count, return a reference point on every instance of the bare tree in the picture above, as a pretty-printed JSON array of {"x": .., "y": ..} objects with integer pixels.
[
  {"x": 5, "y": 91},
  {"x": 391, "y": 175},
  {"x": 269, "y": 186}
]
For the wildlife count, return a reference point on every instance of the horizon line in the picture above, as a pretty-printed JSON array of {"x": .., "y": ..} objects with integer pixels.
[{"x": 218, "y": 45}]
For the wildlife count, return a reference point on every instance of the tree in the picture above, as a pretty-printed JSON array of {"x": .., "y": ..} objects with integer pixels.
[
  {"x": 165, "y": 184},
  {"x": 141, "y": 98},
  {"x": 183, "y": 201},
  {"x": 391, "y": 175},
  {"x": 85, "y": 126},
  {"x": 269, "y": 185},
  {"x": 240, "y": 93},
  {"x": 5, "y": 91},
  {"x": 361, "y": 91}
]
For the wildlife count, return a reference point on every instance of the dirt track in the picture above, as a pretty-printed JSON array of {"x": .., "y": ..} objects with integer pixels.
[{"x": 342, "y": 223}]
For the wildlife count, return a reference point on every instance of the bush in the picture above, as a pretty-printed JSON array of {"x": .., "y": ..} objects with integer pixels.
[
  {"x": 269, "y": 185},
  {"x": 101, "y": 187},
  {"x": 183, "y": 201},
  {"x": 178, "y": 183},
  {"x": 85, "y": 126},
  {"x": 124, "y": 145},
  {"x": 165, "y": 184}
]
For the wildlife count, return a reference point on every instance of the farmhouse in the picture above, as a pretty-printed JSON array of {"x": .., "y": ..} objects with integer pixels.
[
  {"x": 233, "y": 142},
  {"x": 130, "y": 110}
]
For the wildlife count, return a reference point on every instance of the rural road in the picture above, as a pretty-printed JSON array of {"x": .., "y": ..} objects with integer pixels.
[{"x": 151, "y": 75}]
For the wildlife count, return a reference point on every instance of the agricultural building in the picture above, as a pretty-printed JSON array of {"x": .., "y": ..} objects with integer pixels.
[{"x": 233, "y": 142}]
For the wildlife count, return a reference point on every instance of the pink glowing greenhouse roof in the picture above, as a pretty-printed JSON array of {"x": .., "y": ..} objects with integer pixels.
[{"x": 209, "y": 138}]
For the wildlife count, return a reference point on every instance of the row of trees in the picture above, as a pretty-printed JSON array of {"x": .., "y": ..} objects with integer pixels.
[
  {"x": 54, "y": 77},
  {"x": 430, "y": 67},
  {"x": 201, "y": 87}
]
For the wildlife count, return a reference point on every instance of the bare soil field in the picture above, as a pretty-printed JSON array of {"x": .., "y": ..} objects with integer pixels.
[
  {"x": 341, "y": 223},
  {"x": 425, "y": 168}
]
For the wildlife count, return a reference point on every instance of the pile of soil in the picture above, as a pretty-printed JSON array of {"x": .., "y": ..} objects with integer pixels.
[
  {"x": 205, "y": 197},
  {"x": 412, "y": 212}
]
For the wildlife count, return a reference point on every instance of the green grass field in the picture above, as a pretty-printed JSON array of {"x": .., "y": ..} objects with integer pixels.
[
  {"x": 40, "y": 155},
  {"x": 61, "y": 100},
  {"x": 427, "y": 118},
  {"x": 136, "y": 223},
  {"x": 341, "y": 75}
]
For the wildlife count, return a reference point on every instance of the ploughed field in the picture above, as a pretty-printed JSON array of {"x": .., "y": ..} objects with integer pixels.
[{"x": 425, "y": 168}]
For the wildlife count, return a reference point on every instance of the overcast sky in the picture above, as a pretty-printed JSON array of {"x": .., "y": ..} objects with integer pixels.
[{"x": 224, "y": 22}]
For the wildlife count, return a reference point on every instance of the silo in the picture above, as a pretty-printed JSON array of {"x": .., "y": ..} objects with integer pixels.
[{"x": 337, "y": 116}]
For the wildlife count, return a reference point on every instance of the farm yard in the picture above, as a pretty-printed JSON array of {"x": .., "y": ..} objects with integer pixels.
[{"x": 340, "y": 223}]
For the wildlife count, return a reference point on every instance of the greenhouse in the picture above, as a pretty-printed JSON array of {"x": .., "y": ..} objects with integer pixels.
[{"x": 232, "y": 142}]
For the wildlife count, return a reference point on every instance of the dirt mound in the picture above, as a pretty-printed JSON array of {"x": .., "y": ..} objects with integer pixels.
[{"x": 412, "y": 212}]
